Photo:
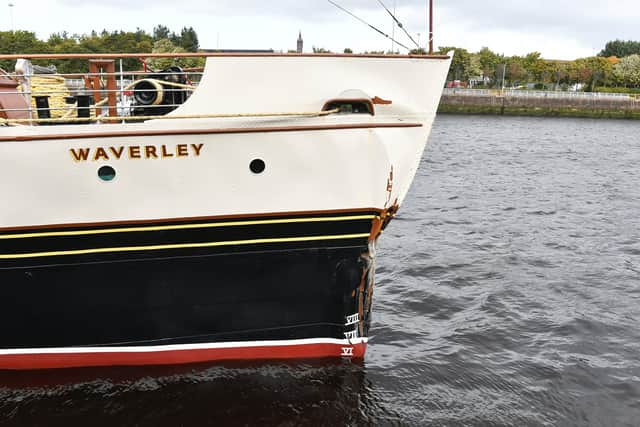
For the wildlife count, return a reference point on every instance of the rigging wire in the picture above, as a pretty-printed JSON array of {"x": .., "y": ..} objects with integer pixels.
[
  {"x": 398, "y": 23},
  {"x": 366, "y": 23}
]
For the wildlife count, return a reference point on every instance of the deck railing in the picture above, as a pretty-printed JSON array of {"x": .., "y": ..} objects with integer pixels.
[
  {"x": 107, "y": 93},
  {"x": 535, "y": 93},
  {"x": 39, "y": 96}
]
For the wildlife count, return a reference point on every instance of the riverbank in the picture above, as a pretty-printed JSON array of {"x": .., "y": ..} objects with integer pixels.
[{"x": 539, "y": 103}]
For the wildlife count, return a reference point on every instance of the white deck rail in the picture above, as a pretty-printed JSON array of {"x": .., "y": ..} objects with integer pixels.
[{"x": 536, "y": 94}]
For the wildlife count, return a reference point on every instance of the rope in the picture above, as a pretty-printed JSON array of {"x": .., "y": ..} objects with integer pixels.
[
  {"x": 162, "y": 82},
  {"x": 66, "y": 119},
  {"x": 67, "y": 116},
  {"x": 366, "y": 23},
  {"x": 188, "y": 116},
  {"x": 399, "y": 23},
  {"x": 132, "y": 85}
]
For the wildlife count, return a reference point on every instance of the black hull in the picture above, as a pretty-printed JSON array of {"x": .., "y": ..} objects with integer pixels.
[{"x": 271, "y": 291}]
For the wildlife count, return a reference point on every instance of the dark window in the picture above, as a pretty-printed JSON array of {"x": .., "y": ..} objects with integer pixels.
[
  {"x": 350, "y": 106},
  {"x": 257, "y": 166},
  {"x": 107, "y": 173}
]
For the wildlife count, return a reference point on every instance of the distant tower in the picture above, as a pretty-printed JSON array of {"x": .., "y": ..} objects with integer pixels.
[{"x": 300, "y": 42}]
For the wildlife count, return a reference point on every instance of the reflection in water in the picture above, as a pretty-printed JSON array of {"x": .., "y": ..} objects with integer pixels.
[
  {"x": 304, "y": 393},
  {"x": 508, "y": 293}
]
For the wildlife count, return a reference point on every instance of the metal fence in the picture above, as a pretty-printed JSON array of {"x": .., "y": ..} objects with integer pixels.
[
  {"x": 535, "y": 94},
  {"x": 67, "y": 98}
]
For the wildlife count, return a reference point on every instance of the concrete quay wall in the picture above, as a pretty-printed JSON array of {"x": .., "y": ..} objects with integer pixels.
[{"x": 539, "y": 103}]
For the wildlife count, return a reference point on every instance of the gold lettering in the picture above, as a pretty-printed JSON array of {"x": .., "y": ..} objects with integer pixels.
[
  {"x": 80, "y": 154},
  {"x": 197, "y": 148},
  {"x": 182, "y": 150},
  {"x": 134, "y": 152},
  {"x": 150, "y": 151},
  {"x": 100, "y": 154},
  {"x": 117, "y": 152},
  {"x": 165, "y": 153}
]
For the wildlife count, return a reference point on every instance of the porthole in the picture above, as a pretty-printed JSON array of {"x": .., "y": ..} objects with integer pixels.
[
  {"x": 257, "y": 166},
  {"x": 106, "y": 173}
]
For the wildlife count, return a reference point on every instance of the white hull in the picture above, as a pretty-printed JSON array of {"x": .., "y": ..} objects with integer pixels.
[
  {"x": 312, "y": 164},
  {"x": 219, "y": 237}
]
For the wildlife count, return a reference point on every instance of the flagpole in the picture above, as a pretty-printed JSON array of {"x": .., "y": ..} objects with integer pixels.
[
  {"x": 11, "y": 15},
  {"x": 393, "y": 30},
  {"x": 430, "y": 27}
]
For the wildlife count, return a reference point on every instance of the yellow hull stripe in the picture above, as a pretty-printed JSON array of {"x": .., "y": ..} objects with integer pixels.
[
  {"x": 184, "y": 227},
  {"x": 183, "y": 246}
]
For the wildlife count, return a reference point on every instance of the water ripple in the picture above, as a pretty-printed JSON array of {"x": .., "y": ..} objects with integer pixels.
[{"x": 508, "y": 293}]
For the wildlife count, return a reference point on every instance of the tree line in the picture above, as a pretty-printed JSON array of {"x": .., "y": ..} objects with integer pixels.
[
  {"x": 162, "y": 39},
  {"x": 615, "y": 68}
]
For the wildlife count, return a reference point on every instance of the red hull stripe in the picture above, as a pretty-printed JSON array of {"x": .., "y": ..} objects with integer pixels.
[{"x": 76, "y": 358}]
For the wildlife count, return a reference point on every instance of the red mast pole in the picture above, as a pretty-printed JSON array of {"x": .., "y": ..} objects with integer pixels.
[{"x": 430, "y": 27}]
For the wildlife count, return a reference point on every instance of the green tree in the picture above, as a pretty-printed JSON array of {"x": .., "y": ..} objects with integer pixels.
[
  {"x": 535, "y": 66},
  {"x": 144, "y": 46},
  {"x": 461, "y": 66},
  {"x": 620, "y": 48},
  {"x": 590, "y": 71},
  {"x": 94, "y": 42},
  {"x": 627, "y": 71},
  {"x": 60, "y": 43},
  {"x": 489, "y": 63},
  {"x": 475, "y": 67},
  {"x": 516, "y": 72},
  {"x": 167, "y": 46},
  {"x": 546, "y": 74},
  {"x": 189, "y": 39},
  {"x": 559, "y": 72},
  {"x": 161, "y": 32},
  {"x": 19, "y": 42}
]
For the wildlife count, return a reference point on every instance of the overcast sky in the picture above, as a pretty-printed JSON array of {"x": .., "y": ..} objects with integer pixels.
[{"x": 560, "y": 29}]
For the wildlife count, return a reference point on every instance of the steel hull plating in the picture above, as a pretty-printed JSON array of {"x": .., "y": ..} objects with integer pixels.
[
  {"x": 301, "y": 290},
  {"x": 242, "y": 225}
]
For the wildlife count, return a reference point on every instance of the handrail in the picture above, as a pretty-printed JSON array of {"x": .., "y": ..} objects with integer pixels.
[
  {"x": 206, "y": 55},
  {"x": 102, "y": 90},
  {"x": 49, "y": 95},
  {"x": 171, "y": 117}
]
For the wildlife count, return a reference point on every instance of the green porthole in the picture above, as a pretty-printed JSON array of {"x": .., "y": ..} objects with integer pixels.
[{"x": 106, "y": 173}]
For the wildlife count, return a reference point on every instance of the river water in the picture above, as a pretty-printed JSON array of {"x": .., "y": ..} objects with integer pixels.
[{"x": 508, "y": 294}]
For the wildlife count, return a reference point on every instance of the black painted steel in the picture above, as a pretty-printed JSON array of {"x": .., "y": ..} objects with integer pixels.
[
  {"x": 288, "y": 293},
  {"x": 324, "y": 231}
]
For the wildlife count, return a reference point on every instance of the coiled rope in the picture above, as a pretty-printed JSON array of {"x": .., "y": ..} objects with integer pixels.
[
  {"x": 130, "y": 86},
  {"x": 70, "y": 120}
]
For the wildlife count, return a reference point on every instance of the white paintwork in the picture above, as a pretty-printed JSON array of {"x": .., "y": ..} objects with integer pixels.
[
  {"x": 259, "y": 84},
  {"x": 181, "y": 347},
  {"x": 307, "y": 170}
]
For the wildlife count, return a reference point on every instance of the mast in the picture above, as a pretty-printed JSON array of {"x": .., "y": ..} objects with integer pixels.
[
  {"x": 393, "y": 30},
  {"x": 430, "y": 27}
]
